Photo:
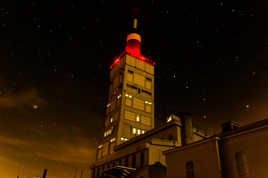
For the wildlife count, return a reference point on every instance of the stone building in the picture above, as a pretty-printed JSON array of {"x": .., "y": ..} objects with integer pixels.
[
  {"x": 131, "y": 146},
  {"x": 130, "y": 108},
  {"x": 142, "y": 156},
  {"x": 235, "y": 153}
]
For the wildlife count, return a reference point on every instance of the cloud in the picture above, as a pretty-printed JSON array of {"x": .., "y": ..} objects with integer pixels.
[
  {"x": 78, "y": 151},
  {"x": 13, "y": 141},
  {"x": 8, "y": 161},
  {"x": 24, "y": 98}
]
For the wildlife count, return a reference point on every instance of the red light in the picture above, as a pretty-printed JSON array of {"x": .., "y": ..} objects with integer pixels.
[
  {"x": 133, "y": 48},
  {"x": 142, "y": 58},
  {"x": 116, "y": 61}
]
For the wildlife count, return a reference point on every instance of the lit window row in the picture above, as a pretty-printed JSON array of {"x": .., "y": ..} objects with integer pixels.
[
  {"x": 136, "y": 131},
  {"x": 147, "y": 102},
  {"x": 112, "y": 140},
  {"x": 128, "y": 96},
  {"x": 107, "y": 133},
  {"x": 123, "y": 139}
]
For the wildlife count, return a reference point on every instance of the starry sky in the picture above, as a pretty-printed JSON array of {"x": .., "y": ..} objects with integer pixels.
[{"x": 211, "y": 60}]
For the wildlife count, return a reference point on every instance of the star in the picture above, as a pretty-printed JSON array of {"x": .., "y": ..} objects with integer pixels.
[
  {"x": 35, "y": 106},
  {"x": 247, "y": 106}
]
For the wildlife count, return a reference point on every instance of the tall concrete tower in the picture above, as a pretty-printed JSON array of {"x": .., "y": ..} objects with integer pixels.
[{"x": 130, "y": 108}]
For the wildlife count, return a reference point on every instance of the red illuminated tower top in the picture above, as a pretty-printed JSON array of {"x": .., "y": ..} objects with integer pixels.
[{"x": 133, "y": 47}]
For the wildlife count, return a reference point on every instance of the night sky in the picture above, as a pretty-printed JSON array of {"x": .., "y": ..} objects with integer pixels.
[{"x": 211, "y": 60}]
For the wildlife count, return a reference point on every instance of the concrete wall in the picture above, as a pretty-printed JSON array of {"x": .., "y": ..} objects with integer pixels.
[
  {"x": 253, "y": 145},
  {"x": 204, "y": 156}
]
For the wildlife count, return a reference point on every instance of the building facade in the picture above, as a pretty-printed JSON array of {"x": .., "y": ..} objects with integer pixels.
[
  {"x": 130, "y": 108},
  {"x": 236, "y": 153},
  {"x": 131, "y": 146}
]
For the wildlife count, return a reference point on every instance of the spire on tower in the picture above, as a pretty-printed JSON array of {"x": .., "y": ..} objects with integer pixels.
[
  {"x": 133, "y": 45},
  {"x": 135, "y": 23}
]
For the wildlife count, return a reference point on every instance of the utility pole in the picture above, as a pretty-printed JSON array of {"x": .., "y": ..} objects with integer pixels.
[{"x": 45, "y": 173}]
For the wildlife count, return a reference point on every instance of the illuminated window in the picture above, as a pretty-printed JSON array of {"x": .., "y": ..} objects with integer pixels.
[
  {"x": 119, "y": 96},
  {"x": 100, "y": 146},
  {"x": 143, "y": 131},
  {"x": 148, "y": 102},
  {"x": 108, "y": 132},
  {"x": 134, "y": 130},
  {"x": 138, "y": 118},
  {"x": 111, "y": 120},
  {"x": 139, "y": 131},
  {"x": 128, "y": 95},
  {"x": 123, "y": 139},
  {"x": 112, "y": 140},
  {"x": 108, "y": 105}
]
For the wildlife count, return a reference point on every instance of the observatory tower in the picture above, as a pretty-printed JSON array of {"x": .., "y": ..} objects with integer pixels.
[{"x": 130, "y": 108}]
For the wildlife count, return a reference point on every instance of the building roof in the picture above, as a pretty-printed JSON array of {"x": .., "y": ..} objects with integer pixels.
[
  {"x": 245, "y": 129},
  {"x": 179, "y": 148},
  {"x": 249, "y": 127},
  {"x": 147, "y": 134}
]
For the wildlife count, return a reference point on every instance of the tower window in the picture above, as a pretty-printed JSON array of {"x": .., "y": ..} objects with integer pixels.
[
  {"x": 130, "y": 75},
  {"x": 134, "y": 130},
  {"x": 123, "y": 139},
  {"x": 111, "y": 120},
  {"x": 128, "y": 95},
  {"x": 138, "y": 103},
  {"x": 139, "y": 131},
  {"x": 138, "y": 118},
  {"x": 128, "y": 100},
  {"x": 139, "y": 79},
  {"x": 143, "y": 131},
  {"x": 112, "y": 140},
  {"x": 148, "y": 83}
]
